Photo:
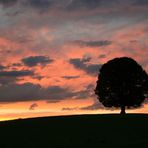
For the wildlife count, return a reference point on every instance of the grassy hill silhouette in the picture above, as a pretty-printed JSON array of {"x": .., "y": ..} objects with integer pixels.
[{"x": 78, "y": 131}]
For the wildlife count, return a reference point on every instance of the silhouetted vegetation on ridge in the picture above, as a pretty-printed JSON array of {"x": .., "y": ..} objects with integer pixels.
[{"x": 122, "y": 83}]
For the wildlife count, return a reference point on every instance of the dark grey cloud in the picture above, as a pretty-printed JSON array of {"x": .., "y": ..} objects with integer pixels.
[
  {"x": 39, "y": 4},
  {"x": 7, "y": 80},
  {"x": 34, "y": 92},
  {"x": 86, "y": 93},
  {"x": 2, "y": 67},
  {"x": 35, "y": 60},
  {"x": 93, "y": 4},
  {"x": 81, "y": 64},
  {"x": 93, "y": 43},
  {"x": 82, "y": 4},
  {"x": 14, "y": 73},
  {"x": 7, "y": 3},
  {"x": 78, "y": 63},
  {"x": 17, "y": 64},
  {"x": 46, "y": 4},
  {"x": 90, "y": 5},
  {"x": 70, "y": 77},
  {"x": 140, "y": 2},
  {"x": 72, "y": 5},
  {"x": 20, "y": 92},
  {"x": 90, "y": 87},
  {"x": 33, "y": 106},
  {"x": 93, "y": 69},
  {"x": 23, "y": 39},
  {"x": 67, "y": 5},
  {"x": 69, "y": 109},
  {"x": 38, "y": 77},
  {"x": 102, "y": 56},
  {"x": 10, "y": 77},
  {"x": 83, "y": 94},
  {"x": 96, "y": 105},
  {"x": 58, "y": 93}
]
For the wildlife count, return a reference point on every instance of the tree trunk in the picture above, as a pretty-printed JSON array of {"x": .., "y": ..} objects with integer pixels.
[{"x": 123, "y": 110}]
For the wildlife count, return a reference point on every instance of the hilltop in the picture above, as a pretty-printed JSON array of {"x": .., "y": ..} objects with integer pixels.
[{"x": 78, "y": 131}]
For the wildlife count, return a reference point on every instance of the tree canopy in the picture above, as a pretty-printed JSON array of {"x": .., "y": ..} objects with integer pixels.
[{"x": 123, "y": 83}]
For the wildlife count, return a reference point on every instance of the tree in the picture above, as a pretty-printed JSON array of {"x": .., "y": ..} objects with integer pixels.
[{"x": 122, "y": 83}]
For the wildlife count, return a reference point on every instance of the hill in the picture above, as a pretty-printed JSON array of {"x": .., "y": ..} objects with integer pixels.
[{"x": 79, "y": 131}]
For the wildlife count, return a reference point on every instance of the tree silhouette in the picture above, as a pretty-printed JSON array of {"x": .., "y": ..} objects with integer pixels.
[{"x": 122, "y": 83}]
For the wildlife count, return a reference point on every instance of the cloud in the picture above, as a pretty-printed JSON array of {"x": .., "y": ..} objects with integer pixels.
[
  {"x": 93, "y": 69},
  {"x": 52, "y": 31},
  {"x": 93, "y": 4},
  {"x": 81, "y": 4},
  {"x": 8, "y": 3},
  {"x": 20, "y": 92},
  {"x": 17, "y": 64},
  {"x": 23, "y": 39},
  {"x": 2, "y": 67},
  {"x": 33, "y": 106},
  {"x": 67, "y": 5},
  {"x": 58, "y": 93},
  {"x": 21, "y": 73},
  {"x": 70, "y": 77},
  {"x": 39, "y": 4},
  {"x": 53, "y": 4},
  {"x": 72, "y": 5},
  {"x": 88, "y": 92},
  {"x": 93, "y": 43},
  {"x": 96, "y": 105},
  {"x": 81, "y": 64},
  {"x": 10, "y": 77},
  {"x": 38, "y": 77},
  {"x": 140, "y": 2},
  {"x": 35, "y": 60},
  {"x": 34, "y": 92},
  {"x": 7, "y": 80},
  {"x": 69, "y": 109},
  {"x": 102, "y": 56}
]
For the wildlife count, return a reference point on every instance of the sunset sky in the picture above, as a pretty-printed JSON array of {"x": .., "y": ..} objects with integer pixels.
[{"x": 51, "y": 52}]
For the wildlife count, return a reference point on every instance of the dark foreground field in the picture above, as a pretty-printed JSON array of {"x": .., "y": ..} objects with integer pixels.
[{"x": 83, "y": 131}]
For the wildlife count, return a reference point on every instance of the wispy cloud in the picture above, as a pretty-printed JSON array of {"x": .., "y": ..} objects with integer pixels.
[
  {"x": 33, "y": 106},
  {"x": 93, "y": 43},
  {"x": 53, "y": 49},
  {"x": 35, "y": 60},
  {"x": 81, "y": 64}
]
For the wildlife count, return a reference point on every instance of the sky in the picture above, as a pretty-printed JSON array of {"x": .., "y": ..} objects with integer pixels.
[{"x": 51, "y": 52}]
